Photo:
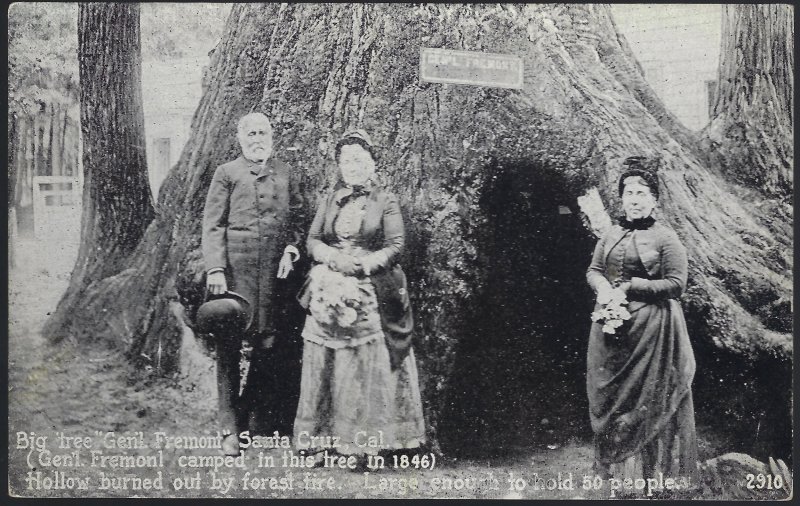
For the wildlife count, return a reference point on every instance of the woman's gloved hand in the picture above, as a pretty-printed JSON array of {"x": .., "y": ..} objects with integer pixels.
[{"x": 346, "y": 264}]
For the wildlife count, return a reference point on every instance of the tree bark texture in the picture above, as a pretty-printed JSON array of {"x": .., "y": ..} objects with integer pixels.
[
  {"x": 752, "y": 131},
  {"x": 117, "y": 203},
  {"x": 13, "y": 157},
  {"x": 317, "y": 70}
]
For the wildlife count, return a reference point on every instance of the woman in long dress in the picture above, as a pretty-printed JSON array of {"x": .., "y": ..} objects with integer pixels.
[
  {"x": 639, "y": 374},
  {"x": 358, "y": 394}
]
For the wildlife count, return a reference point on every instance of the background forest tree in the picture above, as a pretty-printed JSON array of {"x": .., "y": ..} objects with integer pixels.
[
  {"x": 117, "y": 202},
  {"x": 481, "y": 174},
  {"x": 751, "y": 134},
  {"x": 44, "y": 117},
  {"x": 42, "y": 99}
]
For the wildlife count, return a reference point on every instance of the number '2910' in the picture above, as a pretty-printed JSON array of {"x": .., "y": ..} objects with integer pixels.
[{"x": 764, "y": 481}]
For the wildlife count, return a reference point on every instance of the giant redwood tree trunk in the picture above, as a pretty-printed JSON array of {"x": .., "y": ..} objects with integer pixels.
[
  {"x": 117, "y": 203},
  {"x": 752, "y": 131},
  {"x": 585, "y": 106}
]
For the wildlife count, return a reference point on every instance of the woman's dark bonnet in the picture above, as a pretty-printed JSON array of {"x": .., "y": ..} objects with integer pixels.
[
  {"x": 639, "y": 166},
  {"x": 357, "y": 140}
]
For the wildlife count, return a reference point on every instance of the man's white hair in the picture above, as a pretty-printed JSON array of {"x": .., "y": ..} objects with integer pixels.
[{"x": 247, "y": 118}]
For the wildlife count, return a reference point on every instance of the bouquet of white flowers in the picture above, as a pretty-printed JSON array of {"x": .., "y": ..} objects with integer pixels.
[
  {"x": 613, "y": 312},
  {"x": 334, "y": 297}
]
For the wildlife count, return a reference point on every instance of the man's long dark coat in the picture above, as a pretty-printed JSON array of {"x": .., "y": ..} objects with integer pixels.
[{"x": 252, "y": 212}]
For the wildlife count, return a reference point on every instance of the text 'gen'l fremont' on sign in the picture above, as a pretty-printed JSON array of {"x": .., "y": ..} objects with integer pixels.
[{"x": 470, "y": 67}]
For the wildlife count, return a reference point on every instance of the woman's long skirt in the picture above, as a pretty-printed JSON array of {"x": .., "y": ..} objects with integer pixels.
[
  {"x": 640, "y": 399},
  {"x": 351, "y": 394}
]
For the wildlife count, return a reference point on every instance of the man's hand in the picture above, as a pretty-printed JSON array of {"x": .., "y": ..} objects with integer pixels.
[
  {"x": 215, "y": 283},
  {"x": 285, "y": 265}
]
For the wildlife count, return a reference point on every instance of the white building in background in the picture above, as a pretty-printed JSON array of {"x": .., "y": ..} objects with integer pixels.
[
  {"x": 678, "y": 47},
  {"x": 171, "y": 92}
]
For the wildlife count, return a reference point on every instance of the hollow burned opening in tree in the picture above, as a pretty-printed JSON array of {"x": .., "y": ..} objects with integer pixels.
[
  {"x": 519, "y": 375},
  {"x": 519, "y": 378}
]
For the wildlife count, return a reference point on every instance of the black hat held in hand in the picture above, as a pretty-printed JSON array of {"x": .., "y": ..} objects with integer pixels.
[{"x": 224, "y": 313}]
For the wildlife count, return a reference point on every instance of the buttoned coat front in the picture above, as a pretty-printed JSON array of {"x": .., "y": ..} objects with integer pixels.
[
  {"x": 639, "y": 379},
  {"x": 252, "y": 212}
]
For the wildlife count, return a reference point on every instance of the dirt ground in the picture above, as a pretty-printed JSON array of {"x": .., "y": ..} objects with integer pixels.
[{"x": 89, "y": 391}]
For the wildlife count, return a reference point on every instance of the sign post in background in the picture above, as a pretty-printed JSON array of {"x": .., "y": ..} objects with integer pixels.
[{"x": 470, "y": 67}]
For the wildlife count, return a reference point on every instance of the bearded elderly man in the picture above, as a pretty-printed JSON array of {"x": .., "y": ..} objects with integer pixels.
[{"x": 253, "y": 225}]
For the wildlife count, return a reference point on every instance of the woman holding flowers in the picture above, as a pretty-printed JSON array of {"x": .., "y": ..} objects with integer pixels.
[
  {"x": 640, "y": 362},
  {"x": 359, "y": 390}
]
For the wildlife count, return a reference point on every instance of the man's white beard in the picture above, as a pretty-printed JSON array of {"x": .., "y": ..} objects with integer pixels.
[
  {"x": 256, "y": 155},
  {"x": 358, "y": 179}
]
